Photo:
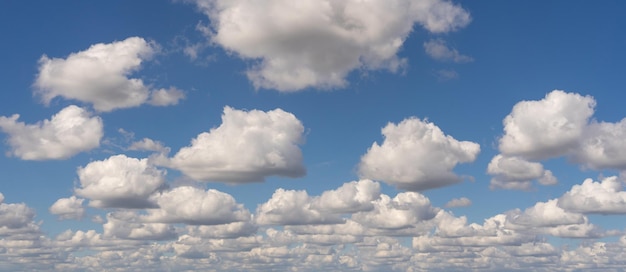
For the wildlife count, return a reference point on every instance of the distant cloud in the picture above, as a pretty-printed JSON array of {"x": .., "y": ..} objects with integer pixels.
[
  {"x": 458, "y": 202},
  {"x": 247, "y": 147},
  {"x": 446, "y": 74},
  {"x": 326, "y": 40},
  {"x": 291, "y": 207},
  {"x": 416, "y": 155},
  {"x": 439, "y": 50},
  {"x": 195, "y": 206},
  {"x": 69, "y": 132},
  {"x": 100, "y": 76},
  {"x": 147, "y": 144}
]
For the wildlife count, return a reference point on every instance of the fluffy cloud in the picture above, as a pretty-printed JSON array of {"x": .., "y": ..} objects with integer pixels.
[
  {"x": 72, "y": 130},
  {"x": 247, "y": 147},
  {"x": 517, "y": 173},
  {"x": 605, "y": 197},
  {"x": 68, "y": 208},
  {"x": 99, "y": 75},
  {"x": 439, "y": 50},
  {"x": 416, "y": 155},
  {"x": 349, "y": 198},
  {"x": 546, "y": 128},
  {"x": 318, "y": 43},
  {"x": 603, "y": 146},
  {"x": 119, "y": 182},
  {"x": 194, "y": 206},
  {"x": 459, "y": 202},
  {"x": 290, "y": 207}
]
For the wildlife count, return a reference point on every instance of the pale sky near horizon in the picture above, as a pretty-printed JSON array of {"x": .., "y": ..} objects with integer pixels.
[{"x": 311, "y": 135}]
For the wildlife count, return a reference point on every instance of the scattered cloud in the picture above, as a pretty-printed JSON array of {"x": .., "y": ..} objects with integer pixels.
[
  {"x": 459, "y": 202},
  {"x": 247, "y": 147},
  {"x": 69, "y": 132},
  {"x": 297, "y": 45},
  {"x": 147, "y": 144},
  {"x": 100, "y": 76},
  {"x": 517, "y": 173},
  {"x": 439, "y": 50},
  {"x": 68, "y": 208},
  {"x": 416, "y": 155},
  {"x": 446, "y": 74}
]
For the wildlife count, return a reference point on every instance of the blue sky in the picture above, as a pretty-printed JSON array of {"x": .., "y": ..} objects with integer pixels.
[{"x": 310, "y": 135}]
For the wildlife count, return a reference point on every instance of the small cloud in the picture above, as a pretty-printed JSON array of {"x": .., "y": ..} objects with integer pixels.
[
  {"x": 458, "y": 202},
  {"x": 438, "y": 50},
  {"x": 446, "y": 74}
]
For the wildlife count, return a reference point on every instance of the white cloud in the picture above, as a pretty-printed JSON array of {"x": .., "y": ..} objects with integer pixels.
[
  {"x": 405, "y": 210},
  {"x": 605, "y": 197},
  {"x": 290, "y": 207},
  {"x": 603, "y": 146},
  {"x": 439, "y": 50},
  {"x": 99, "y": 75},
  {"x": 416, "y": 155},
  {"x": 458, "y": 202},
  {"x": 69, "y": 132},
  {"x": 517, "y": 173},
  {"x": 313, "y": 43},
  {"x": 68, "y": 208},
  {"x": 547, "y": 128},
  {"x": 195, "y": 206},
  {"x": 247, "y": 147},
  {"x": 119, "y": 182},
  {"x": 349, "y": 198}
]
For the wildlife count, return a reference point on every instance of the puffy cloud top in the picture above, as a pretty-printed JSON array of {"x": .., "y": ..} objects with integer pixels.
[
  {"x": 99, "y": 75},
  {"x": 247, "y": 147},
  {"x": 416, "y": 155},
  {"x": 546, "y": 128},
  {"x": 71, "y": 131},
  {"x": 119, "y": 182},
  {"x": 312, "y": 43},
  {"x": 68, "y": 208}
]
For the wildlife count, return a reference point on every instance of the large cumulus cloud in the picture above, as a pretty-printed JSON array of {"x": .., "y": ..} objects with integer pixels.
[{"x": 311, "y": 43}]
